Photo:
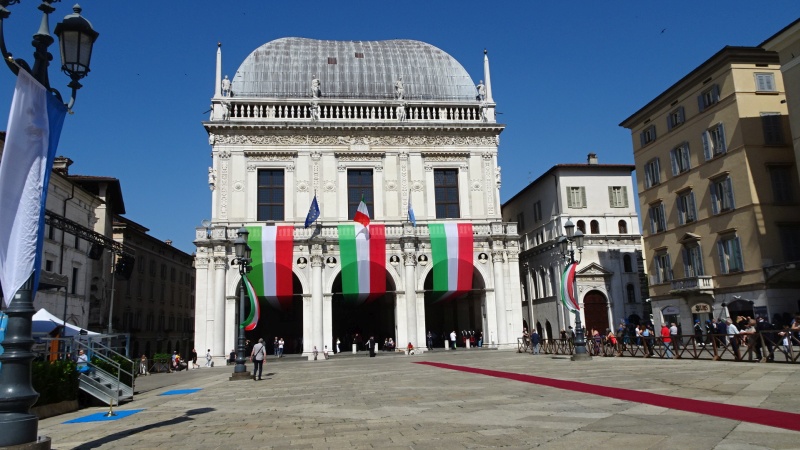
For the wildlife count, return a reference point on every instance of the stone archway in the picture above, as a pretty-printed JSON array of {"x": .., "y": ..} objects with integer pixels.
[
  {"x": 595, "y": 306},
  {"x": 353, "y": 322},
  {"x": 462, "y": 314},
  {"x": 281, "y": 323}
]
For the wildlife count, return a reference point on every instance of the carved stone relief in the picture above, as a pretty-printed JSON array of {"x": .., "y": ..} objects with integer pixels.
[{"x": 360, "y": 142}]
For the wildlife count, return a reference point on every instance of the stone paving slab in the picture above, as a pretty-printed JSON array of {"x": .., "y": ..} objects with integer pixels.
[{"x": 388, "y": 402}]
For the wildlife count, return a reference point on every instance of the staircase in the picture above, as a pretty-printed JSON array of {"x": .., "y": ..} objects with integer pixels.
[{"x": 109, "y": 370}]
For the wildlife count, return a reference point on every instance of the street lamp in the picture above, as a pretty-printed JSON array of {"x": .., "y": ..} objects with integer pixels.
[
  {"x": 567, "y": 245},
  {"x": 242, "y": 251},
  {"x": 17, "y": 395}
]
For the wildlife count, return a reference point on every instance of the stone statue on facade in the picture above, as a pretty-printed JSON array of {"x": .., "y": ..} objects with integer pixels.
[
  {"x": 316, "y": 91},
  {"x": 481, "y": 91},
  {"x": 497, "y": 175},
  {"x": 211, "y": 138},
  {"x": 212, "y": 178},
  {"x": 400, "y": 111},
  {"x": 399, "y": 90},
  {"x": 314, "y": 109},
  {"x": 226, "y": 87}
]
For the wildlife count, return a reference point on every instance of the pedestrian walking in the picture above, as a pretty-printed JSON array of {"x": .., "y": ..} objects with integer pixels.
[
  {"x": 194, "y": 359},
  {"x": 280, "y": 347},
  {"x": 453, "y": 339},
  {"x": 209, "y": 362},
  {"x": 535, "y": 340},
  {"x": 257, "y": 357}
]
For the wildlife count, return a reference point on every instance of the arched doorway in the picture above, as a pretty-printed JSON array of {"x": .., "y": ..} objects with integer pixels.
[
  {"x": 355, "y": 323},
  {"x": 595, "y": 308},
  {"x": 281, "y": 323},
  {"x": 462, "y": 314},
  {"x": 742, "y": 308},
  {"x": 549, "y": 328}
]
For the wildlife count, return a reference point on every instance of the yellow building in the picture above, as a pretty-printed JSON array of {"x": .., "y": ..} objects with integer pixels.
[{"x": 718, "y": 192}]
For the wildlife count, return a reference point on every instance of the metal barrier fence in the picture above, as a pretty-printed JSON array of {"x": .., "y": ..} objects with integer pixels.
[{"x": 774, "y": 346}]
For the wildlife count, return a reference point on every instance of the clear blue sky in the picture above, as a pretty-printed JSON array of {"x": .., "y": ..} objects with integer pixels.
[{"x": 564, "y": 75}]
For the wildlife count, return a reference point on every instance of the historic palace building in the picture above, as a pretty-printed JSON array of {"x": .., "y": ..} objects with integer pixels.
[{"x": 399, "y": 126}]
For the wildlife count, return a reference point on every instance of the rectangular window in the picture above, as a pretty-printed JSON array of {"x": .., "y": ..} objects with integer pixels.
[
  {"x": 658, "y": 220},
  {"x": 693, "y": 261},
  {"x": 618, "y": 196},
  {"x": 722, "y": 195},
  {"x": 663, "y": 272},
  {"x": 648, "y": 135},
  {"x": 765, "y": 82},
  {"x": 687, "y": 210},
  {"x": 445, "y": 184},
  {"x": 781, "y": 177},
  {"x": 537, "y": 211},
  {"x": 576, "y": 197},
  {"x": 270, "y": 195},
  {"x": 48, "y": 265},
  {"x": 773, "y": 130},
  {"x": 790, "y": 242},
  {"x": 77, "y": 242},
  {"x": 680, "y": 159},
  {"x": 675, "y": 118},
  {"x": 714, "y": 141},
  {"x": 51, "y": 232},
  {"x": 521, "y": 221},
  {"x": 708, "y": 98},
  {"x": 359, "y": 55},
  {"x": 331, "y": 60},
  {"x": 730, "y": 254},
  {"x": 359, "y": 184},
  {"x": 652, "y": 173},
  {"x": 74, "y": 288}
]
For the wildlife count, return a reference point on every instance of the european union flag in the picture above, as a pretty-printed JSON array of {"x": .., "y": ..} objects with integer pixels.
[{"x": 313, "y": 212}]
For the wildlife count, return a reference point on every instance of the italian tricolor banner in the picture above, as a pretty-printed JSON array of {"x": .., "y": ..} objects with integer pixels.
[
  {"x": 568, "y": 288},
  {"x": 363, "y": 253},
  {"x": 272, "y": 251},
  {"x": 451, "y": 252},
  {"x": 251, "y": 321}
]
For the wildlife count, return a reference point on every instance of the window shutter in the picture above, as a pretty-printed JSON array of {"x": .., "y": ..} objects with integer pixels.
[
  {"x": 700, "y": 103},
  {"x": 652, "y": 213},
  {"x": 737, "y": 253},
  {"x": 692, "y": 213},
  {"x": 723, "y": 266},
  {"x": 668, "y": 268},
  {"x": 727, "y": 187},
  {"x": 707, "y": 145},
  {"x": 681, "y": 211},
  {"x": 723, "y": 146},
  {"x": 641, "y": 139},
  {"x": 680, "y": 115},
  {"x": 715, "y": 93},
  {"x": 669, "y": 122},
  {"x": 686, "y": 270},
  {"x": 611, "y": 201},
  {"x": 583, "y": 197},
  {"x": 570, "y": 203},
  {"x": 625, "y": 196},
  {"x": 674, "y": 159}
]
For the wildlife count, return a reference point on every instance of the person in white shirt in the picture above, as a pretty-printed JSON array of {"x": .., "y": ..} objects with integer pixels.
[
  {"x": 280, "y": 348},
  {"x": 453, "y": 339},
  {"x": 208, "y": 357},
  {"x": 733, "y": 339}
]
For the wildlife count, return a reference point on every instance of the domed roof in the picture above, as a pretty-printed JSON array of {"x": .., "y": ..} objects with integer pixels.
[{"x": 352, "y": 69}]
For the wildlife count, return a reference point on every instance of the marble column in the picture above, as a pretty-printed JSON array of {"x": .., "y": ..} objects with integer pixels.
[
  {"x": 410, "y": 263},
  {"x": 218, "y": 344},
  {"x": 500, "y": 297},
  {"x": 316, "y": 298}
]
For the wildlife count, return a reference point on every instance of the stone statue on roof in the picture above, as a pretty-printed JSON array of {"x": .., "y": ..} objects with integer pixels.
[
  {"x": 398, "y": 89},
  {"x": 315, "y": 87},
  {"x": 481, "y": 91},
  {"x": 226, "y": 87}
]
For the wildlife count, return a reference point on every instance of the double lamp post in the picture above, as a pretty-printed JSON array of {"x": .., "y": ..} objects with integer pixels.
[
  {"x": 567, "y": 246},
  {"x": 242, "y": 251},
  {"x": 76, "y": 38}
]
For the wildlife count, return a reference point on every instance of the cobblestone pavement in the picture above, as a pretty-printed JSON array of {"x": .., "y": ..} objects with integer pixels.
[{"x": 388, "y": 402}]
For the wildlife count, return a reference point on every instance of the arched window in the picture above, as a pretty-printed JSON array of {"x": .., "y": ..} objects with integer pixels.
[
  {"x": 626, "y": 263},
  {"x": 582, "y": 226},
  {"x": 631, "y": 293},
  {"x": 595, "y": 226},
  {"x": 623, "y": 227}
]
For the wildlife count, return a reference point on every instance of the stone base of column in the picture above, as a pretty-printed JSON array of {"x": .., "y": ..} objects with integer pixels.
[
  {"x": 239, "y": 376},
  {"x": 581, "y": 357}
]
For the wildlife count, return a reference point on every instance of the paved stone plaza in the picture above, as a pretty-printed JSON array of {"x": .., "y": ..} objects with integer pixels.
[{"x": 388, "y": 402}]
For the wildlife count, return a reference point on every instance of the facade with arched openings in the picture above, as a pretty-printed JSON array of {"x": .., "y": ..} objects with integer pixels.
[{"x": 398, "y": 125}]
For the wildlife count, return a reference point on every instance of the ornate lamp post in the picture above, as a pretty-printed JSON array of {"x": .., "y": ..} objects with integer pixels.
[
  {"x": 568, "y": 244},
  {"x": 243, "y": 260},
  {"x": 76, "y": 37}
]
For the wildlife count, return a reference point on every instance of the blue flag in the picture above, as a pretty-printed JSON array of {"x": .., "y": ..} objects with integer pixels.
[
  {"x": 34, "y": 126},
  {"x": 313, "y": 212},
  {"x": 411, "y": 217}
]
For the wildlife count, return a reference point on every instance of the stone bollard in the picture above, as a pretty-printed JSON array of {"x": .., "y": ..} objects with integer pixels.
[
  {"x": 355, "y": 349},
  {"x": 466, "y": 344},
  {"x": 446, "y": 344}
]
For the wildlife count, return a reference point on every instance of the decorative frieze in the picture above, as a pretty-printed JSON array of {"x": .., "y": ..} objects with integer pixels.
[
  {"x": 358, "y": 143},
  {"x": 269, "y": 156}
]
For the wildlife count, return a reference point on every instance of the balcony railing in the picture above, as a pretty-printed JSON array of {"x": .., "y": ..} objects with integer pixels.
[
  {"x": 702, "y": 283},
  {"x": 353, "y": 110}
]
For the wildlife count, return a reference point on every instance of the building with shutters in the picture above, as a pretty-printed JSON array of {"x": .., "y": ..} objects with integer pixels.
[{"x": 399, "y": 124}]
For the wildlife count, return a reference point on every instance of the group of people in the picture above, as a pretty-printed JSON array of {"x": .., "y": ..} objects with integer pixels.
[{"x": 532, "y": 340}]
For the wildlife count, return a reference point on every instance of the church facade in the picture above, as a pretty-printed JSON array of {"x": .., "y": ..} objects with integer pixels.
[{"x": 397, "y": 126}]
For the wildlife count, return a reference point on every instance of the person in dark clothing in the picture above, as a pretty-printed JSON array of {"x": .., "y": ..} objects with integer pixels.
[
  {"x": 767, "y": 337},
  {"x": 698, "y": 332},
  {"x": 371, "y": 345}
]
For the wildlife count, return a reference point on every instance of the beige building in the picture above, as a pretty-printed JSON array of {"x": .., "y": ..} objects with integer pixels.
[
  {"x": 787, "y": 44},
  {"x": 718, "y": 191}
]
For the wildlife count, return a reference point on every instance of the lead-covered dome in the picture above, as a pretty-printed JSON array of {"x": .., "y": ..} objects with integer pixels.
[{"x": 352, "y": 69}]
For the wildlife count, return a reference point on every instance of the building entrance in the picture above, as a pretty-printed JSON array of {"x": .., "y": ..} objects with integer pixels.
[
  {"x": 286, "y": 323},
  {"x": 354, "y": 323},
  {"x": 596, "y": 311}
]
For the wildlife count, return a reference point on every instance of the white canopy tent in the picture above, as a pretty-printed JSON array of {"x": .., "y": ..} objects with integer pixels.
[{"x": 44, "y": 322}]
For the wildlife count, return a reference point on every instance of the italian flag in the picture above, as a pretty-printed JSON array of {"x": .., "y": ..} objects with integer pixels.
[
  {"x": 568, "y": 288},
  {"x": 451, "y": 252},
  {"x": 251, "y": 321},
  {"x": 363, "y": 255},
  {"x": 272, "y": 251}
]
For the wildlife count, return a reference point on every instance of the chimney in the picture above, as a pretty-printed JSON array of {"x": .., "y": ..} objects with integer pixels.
[
  {"x": 592, "y": 159},
  {"x": 61, "y": 165},
  {"x": 168, "y": 242}
]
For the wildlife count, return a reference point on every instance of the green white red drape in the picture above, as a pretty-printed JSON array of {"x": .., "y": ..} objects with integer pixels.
[
  {"x": 363, "y": 253},
  {"x": 272, "y": 249},
  {"x": 568, "y": 288},
  {"x": 251, "y": 321},
  {"x": 451, "y": 251}
]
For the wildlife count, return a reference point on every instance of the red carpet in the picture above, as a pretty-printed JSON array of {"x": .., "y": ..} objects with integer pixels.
[{"x": 769, "y": 417}]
